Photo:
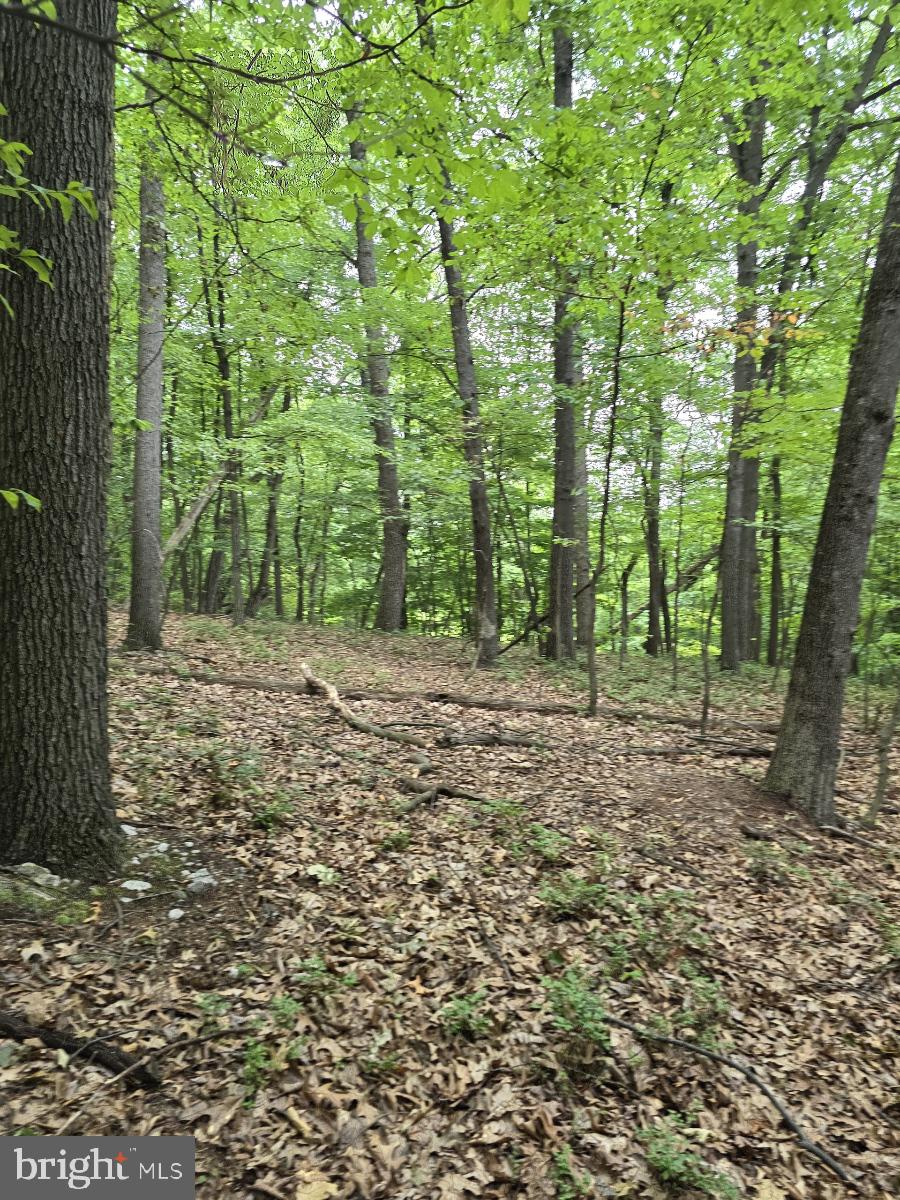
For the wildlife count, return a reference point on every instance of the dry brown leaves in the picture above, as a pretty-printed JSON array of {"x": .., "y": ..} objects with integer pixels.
[{"x": 308, "y": 987}]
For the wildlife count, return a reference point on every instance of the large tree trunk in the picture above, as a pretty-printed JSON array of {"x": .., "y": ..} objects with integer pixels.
[
  {"x": 805, "y": 760},
  {"x": 55, "y": 801},
  {"x": 560, "y": 640},
  {"x": 376, "y": 375},
  {"x": 736, "y": 565},
  {"x": 145, "y": 611},
  {"x": 486, "y": 605}
]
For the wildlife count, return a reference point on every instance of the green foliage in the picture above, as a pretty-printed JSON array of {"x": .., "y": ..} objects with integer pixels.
[
  {"x": 705, "y": 1006},
  {"x": 577, "y": 1010},
  {"x": 285, "y": 1010},
  {"x": 15, "y": 185},
  {"x": 671, "y": 1152},
  {"x": 273, "y": 814},
  {"x": 399, "y": 839},
  {"x": 256, "y": 1067},
  {"x": 569, "y": 896},
  {"x": 548, "y": 844},
  {"x": 464, "y": 1016},
  {"x": 569, "y": 1184},
  {"x": 312, "y": 978}
]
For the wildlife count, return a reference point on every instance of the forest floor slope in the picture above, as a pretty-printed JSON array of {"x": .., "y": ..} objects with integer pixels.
[{"x": 351, "y": 986}]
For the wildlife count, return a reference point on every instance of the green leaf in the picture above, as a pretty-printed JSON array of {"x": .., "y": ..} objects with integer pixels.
[{"x": 39, "y": 264}]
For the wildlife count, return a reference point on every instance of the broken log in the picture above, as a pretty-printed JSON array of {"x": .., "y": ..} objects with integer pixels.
[{"x": 134, "y": 1071}]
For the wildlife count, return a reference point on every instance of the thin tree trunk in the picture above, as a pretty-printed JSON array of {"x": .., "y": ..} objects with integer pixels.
[
  {"x": 584, "y": 598},
  {"x": 885, "y": 741},
  {"x": 55, "y": 802},
  {"x": 776, "y": 582},
  {"x": 560, "y": 640},
  {"x": 804, "y": 763},
  {"x": 623, "y": 610},
  {"x": 145, "y": 609},
  {"x": 742, "y": 484},
  {"x": 485, "y": 600},
  {"x": 215, "y": 562},
  {"x": 376, "y": 376},
  {"x": 260, "y": 592}
]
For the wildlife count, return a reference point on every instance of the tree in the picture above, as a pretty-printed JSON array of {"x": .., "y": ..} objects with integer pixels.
[
  {"x": 738, "y": 561},
  {"x": 560, "y": 641},
  {"x": 56, "y": 805},
  {"x": 145, "y": 611},
  {"x": 482, "y": 546},
  {"x": 805, "y": 760},
  {"x": 376, "y": 376}
]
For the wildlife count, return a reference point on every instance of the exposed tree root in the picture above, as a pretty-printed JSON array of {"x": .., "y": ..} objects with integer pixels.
[
  {"x": 133, "y": 1070},
  {"x": 803, "y": 1139},
  {"x": 427, "y": 793}
]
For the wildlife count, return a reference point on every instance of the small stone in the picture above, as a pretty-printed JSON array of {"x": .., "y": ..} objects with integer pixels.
[
  {"x": 162, "y": 847},
  {"x": 201, "y": 881},
  {"x": 175, "y": 914},
  {"x": 128, "y": 830},
  {"x": 136, "y": 885},
  {"x": 38, "y": 875}
]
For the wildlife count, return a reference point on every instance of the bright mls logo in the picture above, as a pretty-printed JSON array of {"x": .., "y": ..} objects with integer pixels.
[{"x": 48, "y": 1168}]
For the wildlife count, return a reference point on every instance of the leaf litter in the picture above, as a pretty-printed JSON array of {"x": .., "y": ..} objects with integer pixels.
[{"x": 372, "y": 1002}]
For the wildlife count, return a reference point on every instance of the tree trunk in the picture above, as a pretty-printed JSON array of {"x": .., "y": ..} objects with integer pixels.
[
  {"x": 145, "y": 611},
  {"x": 805, "y": 760},
  {"x": 486, "y": 605},
  {"x": 656, "y": 590},
  {"x": 776, "y": 583},
  {"x": 742, "y": 486},
  {"x": 55, "y": 802},
  {"x": 584, "y": 596},
  {"x": 392, "y": 592},
  {"x": 212, "y": 583},
  {"x": 260, "y": 592},
  {"x": 560, "y": 640}
]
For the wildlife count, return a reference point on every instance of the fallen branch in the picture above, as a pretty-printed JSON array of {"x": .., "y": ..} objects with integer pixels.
[
  {"x": 486, "y": 737},
  {"x": 664, "y": 860},
  {"x": 127, "y": 1066},
  {"x": 336, "y": 704},
  {"x": 458, "y": 699},
  {"x": 803, "y": 1139}
]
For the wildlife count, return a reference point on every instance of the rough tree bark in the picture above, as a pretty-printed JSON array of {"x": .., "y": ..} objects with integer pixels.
[
  {"x": 806, "y": 754},
  {"x": 376, "y": 375},
  {"x": 55, "y": 801},
  {"x": 145, "y": 609},
  {"x": 560, "y": 639}
]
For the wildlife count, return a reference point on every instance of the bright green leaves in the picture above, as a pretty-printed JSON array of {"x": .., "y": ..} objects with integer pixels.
[
  {"x": 18, "y": 186},
  {"x": 12, "y": 496},
  {"x": 502, "y": 13}
]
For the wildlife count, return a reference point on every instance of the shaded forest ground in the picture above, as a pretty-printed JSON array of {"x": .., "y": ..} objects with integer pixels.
[{"x": 370, "y": 994}]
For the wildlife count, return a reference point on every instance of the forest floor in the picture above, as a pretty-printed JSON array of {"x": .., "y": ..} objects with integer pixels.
[{"x": 372, "y": 991}]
